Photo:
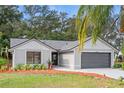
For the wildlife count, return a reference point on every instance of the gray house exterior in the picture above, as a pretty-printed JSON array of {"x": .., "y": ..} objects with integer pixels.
[{"x": 62, "y": 53}]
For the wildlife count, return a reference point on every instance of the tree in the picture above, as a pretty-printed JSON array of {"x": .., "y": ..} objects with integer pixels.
[
  {"x": 94, "y": 17},
  {"x": 8, "y": 14},
  {"x": 71, "y": 32},
  {"x": 42, "y": 21}
]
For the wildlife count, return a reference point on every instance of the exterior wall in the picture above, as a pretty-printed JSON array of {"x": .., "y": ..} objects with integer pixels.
[
  {"x": 46, "y": 55},
  {"x": 98, "y": 47},
  {"x": 19, "y": 54},
  {"x": 67, "y": 60},
  {"x": 18, "y": 57}
]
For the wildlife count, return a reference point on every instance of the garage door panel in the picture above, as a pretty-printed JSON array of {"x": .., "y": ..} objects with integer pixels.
[{"x": 95, "y": 60}]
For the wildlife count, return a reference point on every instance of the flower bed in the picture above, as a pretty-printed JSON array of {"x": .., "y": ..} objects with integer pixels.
[{"x": 52, "y": 72}]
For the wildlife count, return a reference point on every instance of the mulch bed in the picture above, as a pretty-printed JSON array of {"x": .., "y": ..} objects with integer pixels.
[{"x": 52, "y": 72}]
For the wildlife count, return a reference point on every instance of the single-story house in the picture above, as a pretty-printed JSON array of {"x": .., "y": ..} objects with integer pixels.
[{"x": 62, "y": 53}]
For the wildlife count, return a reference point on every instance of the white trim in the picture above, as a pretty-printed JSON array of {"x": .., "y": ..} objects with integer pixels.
[
  {"x": 13, "y": 59},
  {"x": 50, "y": 56},
  {"x": 96, "y": 50},
  {"x": 42, "y": 62},
  {"x": 25, "y": 57},
  {"x": 58, "y": 58}
]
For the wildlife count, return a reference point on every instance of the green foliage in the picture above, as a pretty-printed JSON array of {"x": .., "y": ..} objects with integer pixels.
[
  {"x": 3, "y": 61},
  {"x": 117, "y": 65},
  {"x": 41, "y": 23},
  {"x": 123, "y": 66},
  {"x": 121, "y": 78},
  {"x": 94, "y": 17},
  {"x": 30, "y": 67},
  {"x": 36, "y": 67},
  {"x": 43, "y": 67},
  {"x": 19, "y": 67}
]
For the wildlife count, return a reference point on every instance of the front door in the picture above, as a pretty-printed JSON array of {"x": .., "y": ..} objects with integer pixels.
[{"x": 55, "y": 58}]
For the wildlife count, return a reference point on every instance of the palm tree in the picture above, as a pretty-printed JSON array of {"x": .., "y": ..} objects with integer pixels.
[{"x": 95, "y": 17}]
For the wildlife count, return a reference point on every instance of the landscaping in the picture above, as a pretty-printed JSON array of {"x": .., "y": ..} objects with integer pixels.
[
  {"x": 55, "y": 79},
  {"x": 119, "y": 65}
]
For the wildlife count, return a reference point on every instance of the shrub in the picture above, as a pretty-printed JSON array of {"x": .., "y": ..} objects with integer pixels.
[
  {"x": 28, "y": 67},
  {"x": 19, "y": 67},
  {"x": 43, "y": 67},
  {"x": 121, "y": 78},
  {"x": 3, "y": 61},
  {"x": 123, "y": 66},
  {"x": 36, "y": 67},
  {"x": 117, "y": 65}
]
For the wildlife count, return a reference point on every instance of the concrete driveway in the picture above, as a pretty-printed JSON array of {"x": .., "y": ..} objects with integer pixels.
[{"x": 113, "y": 73}]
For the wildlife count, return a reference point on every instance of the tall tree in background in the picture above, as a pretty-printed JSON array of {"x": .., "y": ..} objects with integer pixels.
[
  {"x": 8, "y": 14},
  {"x": 42, "y": 21}
]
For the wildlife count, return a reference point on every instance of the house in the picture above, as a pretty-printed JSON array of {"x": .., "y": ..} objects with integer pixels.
[{"x": 62, "y": 53}]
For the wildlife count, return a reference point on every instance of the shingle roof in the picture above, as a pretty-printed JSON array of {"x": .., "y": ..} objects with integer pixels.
[{"x": 56, "y": 44}]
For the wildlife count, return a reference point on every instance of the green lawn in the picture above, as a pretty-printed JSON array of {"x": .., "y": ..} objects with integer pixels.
[{"x": 52, "y": 81}]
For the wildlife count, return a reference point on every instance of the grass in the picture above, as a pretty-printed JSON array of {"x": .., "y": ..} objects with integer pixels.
[{"x": 17, "y": 80}]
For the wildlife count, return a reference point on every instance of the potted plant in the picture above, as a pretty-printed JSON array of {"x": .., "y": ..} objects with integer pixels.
[{"x": 50, "y": 64}]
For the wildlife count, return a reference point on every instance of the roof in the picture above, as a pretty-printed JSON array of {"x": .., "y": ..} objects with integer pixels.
[{"x": 55, "y": 44}]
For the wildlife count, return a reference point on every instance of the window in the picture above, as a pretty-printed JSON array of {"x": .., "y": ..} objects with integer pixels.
[{"x": 33, "y": 57}]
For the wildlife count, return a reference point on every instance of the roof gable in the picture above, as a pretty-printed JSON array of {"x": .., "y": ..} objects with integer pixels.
[
  {"x": 100, "y": 44},
  {"x": 32, "y": 44}
]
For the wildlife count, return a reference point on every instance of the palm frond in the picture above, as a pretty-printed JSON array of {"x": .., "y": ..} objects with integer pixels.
[{"x": 91, "y": 16}]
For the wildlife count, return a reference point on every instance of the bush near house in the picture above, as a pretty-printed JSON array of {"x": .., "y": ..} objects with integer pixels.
[
  {"x": 30, "y": 67},
  {"x": 123, "y": 66},
  {"x": 3, "y": 64},
  {"x": 119, "y": 65}
]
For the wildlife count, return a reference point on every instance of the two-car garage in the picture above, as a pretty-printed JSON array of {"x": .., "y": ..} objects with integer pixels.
[
  {"x": 100, "y": 55},
  {"x": 95, "y": 60}
]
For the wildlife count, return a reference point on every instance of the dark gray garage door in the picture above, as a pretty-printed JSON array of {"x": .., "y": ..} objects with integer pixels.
[{"x": 95, "y": 60}]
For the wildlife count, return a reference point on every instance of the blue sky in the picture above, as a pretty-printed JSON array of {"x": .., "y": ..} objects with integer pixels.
[{"x": 71, "y": 9}]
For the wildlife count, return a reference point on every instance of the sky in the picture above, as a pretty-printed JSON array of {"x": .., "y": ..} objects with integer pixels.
[{"x": 71, "y": 9}]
